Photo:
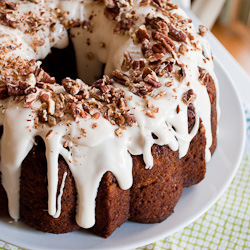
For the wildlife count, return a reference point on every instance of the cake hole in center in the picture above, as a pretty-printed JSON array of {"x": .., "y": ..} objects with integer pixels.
[{"x": 61, "y": 63}]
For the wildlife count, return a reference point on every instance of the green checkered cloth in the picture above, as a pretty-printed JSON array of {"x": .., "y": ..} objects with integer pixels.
[{"x": 226, "y": 225}]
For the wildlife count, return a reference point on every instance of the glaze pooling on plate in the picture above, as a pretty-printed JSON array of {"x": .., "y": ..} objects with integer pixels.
[{"x": 156, "y": 65}]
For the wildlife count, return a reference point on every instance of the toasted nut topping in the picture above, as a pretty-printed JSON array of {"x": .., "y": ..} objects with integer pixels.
[
  {"x": 118, "y": 132},
  {"x": 203, "y": 30},
  {"x": 183, "y": 49},
  {"x": 189, "y": 97},
  {"x": 150, "y": 113},
  {"x": 126, "y": 64},
  {"x": 120, "y": 77},
  {"x": 49, "y": 134},
  {"x": 142, "y": 33}
]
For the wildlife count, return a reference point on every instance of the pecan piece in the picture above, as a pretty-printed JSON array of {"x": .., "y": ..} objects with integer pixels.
[
  {"x": 120, "y": 77},
  {"x": 48, "y": 79},
  {"x": 74, "y": 86},
  {"x": 126, "y": 63},
  {"x": 43, "y": 115},
  {"x": 204, "y": 76},
  {"x": 158, "y": 48},
  {"x": 142, "y": 33},
  {"x": 144, "y": 2},
  {"x": 112, "y": 10},
  {"x": 109, "y": 3},
  {"x": 189, "y": 97},
  {"x": 118, "y": 132},
  {"x": 177, "y": 34},
  {"x": 146, "y": 48},
  {"x": 44, "y": 98},
  {"x": 130, "y": 120},
  {"x": 203, "y": 30},
  {"x": 123, "y": 26},
  {"x": 138, "y": 64},
  {"x": 181, "y": 74},
  {"x": 151, "y": 80},
  {"x": 164, "y": 39},
  {"x": 183, "y": 49},
  {"x": 77, "y": 111}
]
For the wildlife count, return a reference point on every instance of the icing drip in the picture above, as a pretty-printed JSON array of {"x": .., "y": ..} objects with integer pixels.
[
  {"x": 91, "y": 154},
  {"x": 59, "y": 198}
]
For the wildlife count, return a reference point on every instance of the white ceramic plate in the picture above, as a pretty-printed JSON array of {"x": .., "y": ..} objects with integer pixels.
[{"x": 193, "y": 203}]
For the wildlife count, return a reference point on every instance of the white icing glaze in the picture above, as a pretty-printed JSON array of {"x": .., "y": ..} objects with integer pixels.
[{"x": 90, "y": 156}]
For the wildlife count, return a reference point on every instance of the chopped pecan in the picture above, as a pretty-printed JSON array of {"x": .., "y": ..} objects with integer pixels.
[
  {"x": 138, "y": 64},
  {"x": 178, "y": 109},
  {"x": 146, "y": 48},
  {"x": 160, "y": 95},
  {"x": 10, "y": 5},
  {"x": 86, "y": 24},
  {"x": 142, "y": 33},
  {"x": 150, "y": 113},
  {"x": 119, "y": 119},
  {"x": 110, "y": 3},
  {"x": 77, "y": 111},
  {"x": 126, "y": 63},
  {"x": 44, "y": 97},
  {"x": 157, "y": 3},
  {"x": 97, "y": 94},
  {"x": 49, "y": 134},
  {"x": 164, "y": 39},
  {"x": 120, "y": 77},
  {"x": 204, "y": 77},
  {"x": 74, "y": 86},
  {"x": 122, "y": 103},
  {"x": 46, "y": 78},
  {"x": 43, "y": 115},
  {"x": 165, "y": 68},
  {"x": 96, "y": 115},
  {"x": 189, "y": 97},
  {"x": 177, "y": 34},
  {"x": 39, "y": 43},
  {"x": 145, "y": 2},
  {"x": 94, "y": 125},
  {"x": 156, "y": 57},
  {"x": 90, "y": 55},
  {"x": 106, "y": 88},
  {"x": 102, "y": 45},
  {"x": 76, "y": 24},
  {"x": 183, "y": 49},
  {"x": 14, "y": 90},
  {"x": 158, "y": 48},
  {"x": 30, "y": 98},
  {"x": 181, "y": 74},
  {"x": 203, "y": 30},
  {"x": 123, "y": 26},
  {"x": 118, "y": 132},
  {"x": 151, "y": 80},
  {"x": 112, "y": 12},
  {"x": 130, "y": 120},
  {"x": 51, "y": 106},
  {"x": 51, "y": 121}
]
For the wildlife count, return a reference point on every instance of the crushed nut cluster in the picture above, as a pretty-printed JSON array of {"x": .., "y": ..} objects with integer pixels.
[
  {"x": 204, "y": 77},
  {"x": 28, "y": 22},
  {"x": 26, "y": 82},
  {"x": 156, "y": 38},
  {"x": 29, "y": 83}
]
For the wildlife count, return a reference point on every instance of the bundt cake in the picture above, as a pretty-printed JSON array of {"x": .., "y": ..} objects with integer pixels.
[{"x": 111, "y": 123}]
